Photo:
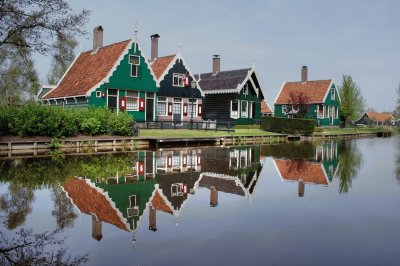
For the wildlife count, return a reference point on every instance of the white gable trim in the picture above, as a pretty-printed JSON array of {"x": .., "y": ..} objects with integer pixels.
[
  {"x": 117, "y": 63},
  {"x": 280, "y": 91},
  {"x": 51, "y": 87},
  {"x": 241, "y": 85},
  {"x": 329, "y": 90}
]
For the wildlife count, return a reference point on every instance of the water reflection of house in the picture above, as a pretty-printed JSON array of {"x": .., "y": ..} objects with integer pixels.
[
  {"x": 327, "y": 154},
  {"x": 233, "y": 171},
  {"x": 169, "y": 161}
]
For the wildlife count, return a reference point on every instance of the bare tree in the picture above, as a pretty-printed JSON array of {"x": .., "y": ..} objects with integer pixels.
[{"x": 299, "y": 100}]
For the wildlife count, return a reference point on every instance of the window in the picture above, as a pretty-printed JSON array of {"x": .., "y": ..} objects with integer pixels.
[
  {"x": 320, "y": 111},
  {"x": 325, "y": 111},
  {"x": 98, "y": 94},
  {"x": 177, "y": 80},
  {"x": 332, "y": 94},
  {"x": 192, "y": 108},
  {"x": 112, "y": 99},
  {"x": 177, "y": 189},
  {"x": 246, "y": 89},
  {"x": 244, "y": 108},
  {"x": 284, "y": 109},
  {"x": 132, "y": 100},
  {"x": 234, "y": 109},
  {"x": 134, "y": 60},
  {"x": 162, "y": 106}
]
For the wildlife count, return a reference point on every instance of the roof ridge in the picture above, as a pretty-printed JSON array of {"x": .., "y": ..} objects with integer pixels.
[
  {"x": 107, "y": 46},
  {"x": 249, "y": 68}
]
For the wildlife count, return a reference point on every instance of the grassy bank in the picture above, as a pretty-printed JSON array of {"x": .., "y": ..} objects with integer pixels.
[{"x": 341, "y": 131}]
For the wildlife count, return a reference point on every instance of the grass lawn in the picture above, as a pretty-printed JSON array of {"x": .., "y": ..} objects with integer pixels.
[
  {"x": 339, "y": 131},
  {"x": 186, "y": 133}
]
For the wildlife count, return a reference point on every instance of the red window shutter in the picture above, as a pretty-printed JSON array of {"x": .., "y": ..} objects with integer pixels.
[
  {"x": 185, "y": 109},
  {"x": 169, "y": 108},
  {"x": 200, "y": 109},
  {"x": 122, "y": 103},
  {"x": 184, "y": 160},
  {"x": 141, "y": 104}
]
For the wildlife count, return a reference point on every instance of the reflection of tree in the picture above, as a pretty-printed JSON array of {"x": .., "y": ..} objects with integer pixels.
[
  {"x": 16, "y": 204},
  {"x": 63, "y": 208},
  {"x": 27, "y": 248},
  {"x": 350, "y": 162},
  {"x": 397, "y": 169}
]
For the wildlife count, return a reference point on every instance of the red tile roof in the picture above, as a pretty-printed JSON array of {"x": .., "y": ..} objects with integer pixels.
[
  {"x": 160, "y": 64},
  {"x": 316, "y": 89},
  {"x": 265, "y": 108},
  {"x": 381, "y": 117},
  {"x": 159, "y": 204},
  {"x": 293, "y": 170},
  {"x": 88, "y": 70},
  {"x": 91, "y": 201}
]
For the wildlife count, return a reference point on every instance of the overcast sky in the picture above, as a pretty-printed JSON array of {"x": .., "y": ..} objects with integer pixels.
[{"x": 359, "y": 38}]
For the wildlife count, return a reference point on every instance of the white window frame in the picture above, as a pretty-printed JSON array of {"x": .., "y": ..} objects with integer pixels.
[
  {"x": 98, "y": 94},
  {"x": 332, "y": 94},
  {"x": 251, "y": 109},
  {"x": 246, "y": 89},
  {"x": 284, "y": 109},
  {"x": 132, "y": 97},
  {"x": 235, "y": 114},
  {"x": 180, "y": 78},
  {"x": 318, "y": 109},
  {"x": 136, "y": 65},
  {"x": 246, "y": 112},
  {"x": 162, "y": 100},
  {"x": 192, "y": 106}
]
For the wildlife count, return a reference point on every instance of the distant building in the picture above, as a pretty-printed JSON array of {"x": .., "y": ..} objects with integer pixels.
[
  {"x": 323, "y": 100},
  {"x": 265, "y": 109},
  {"x": 376, "y": 119}
]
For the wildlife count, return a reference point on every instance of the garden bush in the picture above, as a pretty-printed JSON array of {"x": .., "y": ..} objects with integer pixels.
[
  {"x": 288, "y": 125},
  {"x": 43, "y": 120}
]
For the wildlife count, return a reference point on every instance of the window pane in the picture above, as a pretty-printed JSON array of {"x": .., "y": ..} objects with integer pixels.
[
  {"x": 132, "y": 94},
  {"x": 134, "y": 60},
  {"x": 112, "y": 92},
  {"x": 176, "y": 81},
  {"x": 134, "y": 70},
  {"x": 132, "y": 103},
  {"x": 162, "y": 108}
]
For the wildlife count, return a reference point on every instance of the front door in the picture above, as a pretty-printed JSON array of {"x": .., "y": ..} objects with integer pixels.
[
  {"x": 331, "y": 113},
  {"x": 177, "y": 111},
  {"x": 149, "y": 109}
]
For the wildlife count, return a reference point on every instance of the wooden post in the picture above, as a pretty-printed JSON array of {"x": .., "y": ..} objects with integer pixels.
[
  {"x": 97, "y": 233},
  {"x": 213, "y": 197},
  {"x": 301, "y": 188},
  {"x": 152, "y": 219}
]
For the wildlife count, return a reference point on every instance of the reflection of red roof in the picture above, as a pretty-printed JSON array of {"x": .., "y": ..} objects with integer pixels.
[
  {"x": 315, "y": 89},
  {"x": 91, "y": 201},
  {"x": 381, "y": 117},
  {"x": 88, "y": 70},
  {"x": 160, "y": 64},
  {"x": 293, "y": 170},
  {"x": 265, "y": 108},
  {"x": 159, "y": 204}
]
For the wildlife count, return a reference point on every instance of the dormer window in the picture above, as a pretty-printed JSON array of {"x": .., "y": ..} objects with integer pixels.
[
  {"x": 177, "y": 80},
  {"x": 134, "y": 61},
  {"x": 332, "y": 94}
]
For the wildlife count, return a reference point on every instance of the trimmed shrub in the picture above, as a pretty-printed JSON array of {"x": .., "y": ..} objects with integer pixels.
[
  {"x": 288, "y": 125},
  {"x": 121, "y": 124}
]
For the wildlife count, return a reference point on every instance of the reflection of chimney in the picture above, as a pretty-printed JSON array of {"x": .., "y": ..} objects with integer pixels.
[
  {"x": 213, "y": 197},
  {"x": 97, "y": 37},
  {"x": 96, "y": 228},
  {"x": 301, "y": 188},
  {"x": 152, "y": 219},
  {"x": 304, "y": 74},
  {"x": 154, "y": 46},
  {"x": 216, "y": 67}
]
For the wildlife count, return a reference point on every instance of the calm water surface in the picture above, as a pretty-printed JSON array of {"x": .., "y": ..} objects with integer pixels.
[{"x": 330, "y": 203}]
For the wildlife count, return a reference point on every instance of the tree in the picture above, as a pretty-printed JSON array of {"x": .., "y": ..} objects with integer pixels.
[
  {"x": 397, "y": 110},
  {"x": 62, "y": 58},
  {"x": 34, "y": 24},
  {"x": 352, "y": 101},
  {"x": 299, "y": 100}
]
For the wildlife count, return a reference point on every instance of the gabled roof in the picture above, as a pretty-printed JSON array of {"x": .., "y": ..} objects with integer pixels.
[
  {"x": 309, "y": 172},
  {"x": 317, "y": 90},
  {"x": 159, "y": 65},
  {"x": 265, "y": 109},
  {"x": 159, "y": 203},
  {"x": 91, "y": 201},
  {"x": 380, "y": 117},
  {"x": 231, "y": 81},
  {"x": 88, "y": 70}
]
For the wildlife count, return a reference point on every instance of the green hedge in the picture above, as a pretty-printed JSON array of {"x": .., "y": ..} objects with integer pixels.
[
  {"x": 43, "y": 120},
  {"x": 288, "y": 125}
]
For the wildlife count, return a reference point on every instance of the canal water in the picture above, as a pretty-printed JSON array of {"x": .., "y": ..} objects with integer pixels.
[{"x": 324, "y": 203}]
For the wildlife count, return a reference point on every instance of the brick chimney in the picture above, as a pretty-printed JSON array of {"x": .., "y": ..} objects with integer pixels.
[
  {"x": 216, "y": 66},
  {"x": 304, "y": 74},
  {"x": 154, "y": 46},
  {"x": 97, "y": 37}
]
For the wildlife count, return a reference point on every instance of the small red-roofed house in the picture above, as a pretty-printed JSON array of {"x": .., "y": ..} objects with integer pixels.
[
  {"x": 265, "y": 109},
  {"x": 323, "y": 100},
  {"x": 376, "y": 118}
]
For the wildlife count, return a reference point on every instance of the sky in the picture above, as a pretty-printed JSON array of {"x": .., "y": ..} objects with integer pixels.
[{"x": 332, "y": 38}]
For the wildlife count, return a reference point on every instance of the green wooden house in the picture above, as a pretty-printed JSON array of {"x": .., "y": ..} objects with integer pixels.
[
  {"x": 232, "y": 96},
  {"x": 323, "y": 100},
  {"x": 116, "y": 76}
]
